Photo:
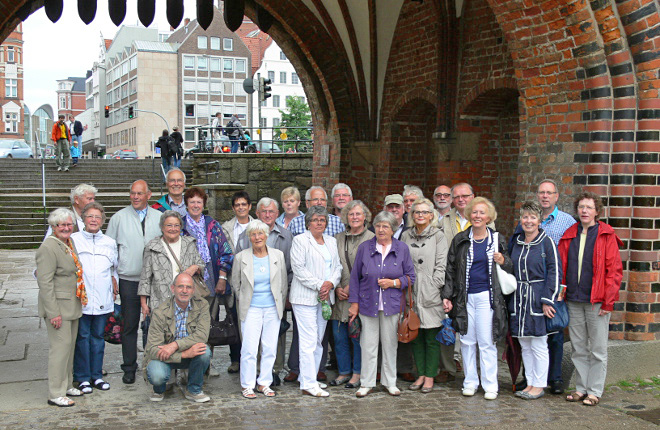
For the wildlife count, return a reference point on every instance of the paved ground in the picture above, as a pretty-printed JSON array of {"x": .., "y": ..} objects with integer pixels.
[{"x": 23, "y": 358}]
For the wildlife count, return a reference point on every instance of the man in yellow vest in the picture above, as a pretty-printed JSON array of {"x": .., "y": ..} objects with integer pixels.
[{"x": 62, "y": 138}]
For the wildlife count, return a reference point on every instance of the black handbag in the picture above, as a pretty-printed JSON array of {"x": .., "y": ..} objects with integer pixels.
[{"x": 222, "y": 332}]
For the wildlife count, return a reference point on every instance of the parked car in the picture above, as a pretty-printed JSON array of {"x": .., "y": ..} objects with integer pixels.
[
  {"x": 263, "y": 147},
  {"x": 15, "y": 148},
  {"x": 124, "y": 154},
  {"x": 108, "y": 157},
  {"x": 206, "y": 146}
]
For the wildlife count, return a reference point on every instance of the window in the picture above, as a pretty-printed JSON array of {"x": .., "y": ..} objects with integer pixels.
[
  {"x": 271, "y": 76},
  {"x": 276, "y": 101},
  {"x": 294, "y": 78},
  {"x": 228, "y": 64},
  {"x": 202, "y": 88},
  {"x": 227, "y": 44},
  {"x": 124, "y": 91},
  {"x": 263, "y": 123},
  {"x": 276, "y": 122},
  {"x": 282, "y": 77},
  {"x": 133, "y": 63},
  {"x": 216, "y": 88},
  {"x": 188, "y": 86},
  {"x": 108, "y": 97},
  {"x": 238, "y": 89},
  {"x": 240, "y": 66},
  {"x": 62, "y": 102},
  {"x": 124, "y": 69},
  {"x": 188, "y": 62},
  {"x": 202, "y": 63},
  {"x": 215, "y": 64},
  {"x": 282, "y": 56},
  {"x": 11, "y": 88},
  {"x": 190, "y": 135},
  {"x": 215, "y": 43},
  {"x": 229, "y": 88},
  {"x": 132, "y": 86},
  {"x": 201, "y": 42},
  {"x": 190, "y": 110},
  {"x": 263, "y": 103},
  {"x": 11, "y": 58},
  {"x": 11, "y": 122}
]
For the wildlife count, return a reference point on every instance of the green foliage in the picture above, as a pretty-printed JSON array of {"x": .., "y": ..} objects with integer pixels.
[{"x": 297, "y": 114}]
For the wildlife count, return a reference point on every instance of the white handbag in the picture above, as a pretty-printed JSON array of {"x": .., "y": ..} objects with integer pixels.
[{"x": 508, "y": 282}]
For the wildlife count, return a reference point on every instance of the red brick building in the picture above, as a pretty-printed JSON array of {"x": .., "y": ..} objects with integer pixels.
[
  {"x": 11, "y": 78},
  {"x": 71, "y": 96}
]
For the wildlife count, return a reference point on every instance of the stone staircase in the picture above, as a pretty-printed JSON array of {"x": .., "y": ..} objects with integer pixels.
[{"x": 22, "y": 215}]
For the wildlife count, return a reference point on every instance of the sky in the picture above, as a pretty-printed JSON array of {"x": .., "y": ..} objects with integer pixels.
[{"x": 68, "y": 47}]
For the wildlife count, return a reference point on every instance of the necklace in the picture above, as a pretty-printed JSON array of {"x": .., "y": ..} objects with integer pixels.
[{"x": 479, "y": 241}]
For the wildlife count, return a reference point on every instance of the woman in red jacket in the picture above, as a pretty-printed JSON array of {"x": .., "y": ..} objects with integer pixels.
[{"x": 589, "y": 252}]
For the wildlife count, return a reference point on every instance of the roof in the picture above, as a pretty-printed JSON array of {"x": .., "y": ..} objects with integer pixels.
[
  {"x": 256, "y": 40},
  {"x": 180, "y": 35},
  {"x": 78, "y": 84},
  {"x": 108, "y": 42},
  {"x": 149, "y": 46}
]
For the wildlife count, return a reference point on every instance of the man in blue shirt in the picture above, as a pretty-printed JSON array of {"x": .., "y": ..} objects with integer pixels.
[{"x": 316, "y": 196}]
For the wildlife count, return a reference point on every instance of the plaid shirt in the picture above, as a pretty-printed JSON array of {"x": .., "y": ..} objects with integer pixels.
[
  {"x": 181, "y": 316},
  {"x": 334, "y": 227},
  {"x": 556, "y": 224}
]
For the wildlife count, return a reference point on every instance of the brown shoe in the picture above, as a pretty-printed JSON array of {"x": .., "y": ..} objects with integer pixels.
[
  {"x": 321, "y": 377},
  {"x": 408, "y": 377},
  {"x": 459, "y": 366},
  {"x": 291, "y": 377},
  {"x": 443, "y": 377}
]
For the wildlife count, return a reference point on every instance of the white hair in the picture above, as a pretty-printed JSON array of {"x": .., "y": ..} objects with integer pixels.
[
  {"x": 81, "y": 190},
  {"x": 308, "y": 194},
  {"x": 176, "y": 169},
  {"x": 60, "y": 215},
  {"x": 267, "y": 201},
  {"x": 413, "y": 189},
  {"x": 340, "y": 186},
  {"x": 257, "y": 225}
]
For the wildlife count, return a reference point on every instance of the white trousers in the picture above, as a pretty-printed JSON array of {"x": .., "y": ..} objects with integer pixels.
[
  {"x": 374, "y": 329},
  {"x": 260, "y": 324},
  {"x": 311, "y": 328},
  {"x": 536, "y": 359},
  {"x": 480, "y": 333}
]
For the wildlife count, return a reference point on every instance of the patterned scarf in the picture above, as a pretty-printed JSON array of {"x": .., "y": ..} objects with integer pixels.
[
  {"x": 197, "y": 230},
  {"x": 81, "y": 292}
]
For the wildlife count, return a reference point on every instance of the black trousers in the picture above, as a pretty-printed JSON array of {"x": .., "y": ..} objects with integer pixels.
[{"x": 130, "y": 309}]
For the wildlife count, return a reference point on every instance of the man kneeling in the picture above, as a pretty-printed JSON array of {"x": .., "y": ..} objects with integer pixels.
[{"x": 177, "y": 340}]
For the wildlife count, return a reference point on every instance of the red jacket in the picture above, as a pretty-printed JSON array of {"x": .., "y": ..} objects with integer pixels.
[
  {"x": 57, "y": 132},
  {"x": 608, "y": 270}
]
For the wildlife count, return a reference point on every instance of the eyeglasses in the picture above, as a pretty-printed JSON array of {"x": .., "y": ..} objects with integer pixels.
[
  {"x": 443, "y": 195},
  {"x": 425, "y": 213},
  {"x": 582, "y": 207},
  {"x": 268, "y": 211},
  {"x": 318, "y": 221},
  {"x": 546, "y": 193},
  {"x": 65, "y": 225},
  {"x": 98, "y": 217},
  {"x": 463, "y": 197}
]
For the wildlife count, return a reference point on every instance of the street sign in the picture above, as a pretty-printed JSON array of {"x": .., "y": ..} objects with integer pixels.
[{"x": 249, "y": 85}]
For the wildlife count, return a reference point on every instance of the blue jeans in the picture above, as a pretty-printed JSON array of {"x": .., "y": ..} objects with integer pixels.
[
  {"x": 234, "y": 144},
  {"x": 556, "y": 352},
  {"x": 167, "y": 162},
  {"x": 90, "y": 346},
  {"x": 158, "y": 372},
  {"x": 343, "y": 349}
]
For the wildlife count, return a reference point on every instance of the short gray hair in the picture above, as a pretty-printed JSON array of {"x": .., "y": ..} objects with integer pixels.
[
  {"x": 550, "y": 181},
  {"x": 175, "y": 169},
  {"x": 81, "y": 190},
  {"x": 257, "y": 225},
  {"x": 461, "y": 184},
  {"x": 532, "y": 207},
  {"x": 413, "y": 189},
  {"x": 349, "y": 207},
  {"x": 93, "y": 205},
  {"x": 340, "y": 186},
  {"x": 60, "y": 215},
  {"x": 315, "y": 210},
  {"x": 169, "y": 214},
  {"x": 308, "y": 194},
  {"x": 267, "y": 201},
  {"x": 388, "y": 217}
]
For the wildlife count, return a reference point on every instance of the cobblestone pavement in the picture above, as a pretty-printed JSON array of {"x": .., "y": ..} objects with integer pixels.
[{"x": 23, "y": 358}]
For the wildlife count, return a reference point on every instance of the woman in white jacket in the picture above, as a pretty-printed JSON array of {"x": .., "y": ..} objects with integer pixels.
[
  {"x": 98, "y": 257},
  {"x": 316, "y": 272}
]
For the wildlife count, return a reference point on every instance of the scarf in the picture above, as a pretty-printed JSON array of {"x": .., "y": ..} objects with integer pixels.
[
  {"x": 81, "y": 292},
  {"x": 197, "y": 230}
]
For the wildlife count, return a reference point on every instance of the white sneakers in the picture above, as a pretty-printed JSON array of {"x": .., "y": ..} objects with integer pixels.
[
  {"x": 363, "y": 392},
  {"x": 490, "y": 395},
  {"x": 393, "y": 391},
  {"x": 156, "y": 397},
  {"x": 469, "y": 392},
  {"x": 316, "y": 391},
  {"x": 198, "y": 398}
]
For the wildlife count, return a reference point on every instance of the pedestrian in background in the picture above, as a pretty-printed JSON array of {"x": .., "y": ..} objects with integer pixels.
[{"x": 61, "y": 136}]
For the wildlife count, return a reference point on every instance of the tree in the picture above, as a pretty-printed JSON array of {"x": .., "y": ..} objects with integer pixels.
[{"x": 298, "y": 115}]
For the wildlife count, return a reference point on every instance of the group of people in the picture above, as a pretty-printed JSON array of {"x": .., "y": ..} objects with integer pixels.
[
  {"x": 233, "y": 130},
  {"x": 67, "y": 139},
  {"x": 171, "y": 148},
  {"x": 440, "y": 258}
]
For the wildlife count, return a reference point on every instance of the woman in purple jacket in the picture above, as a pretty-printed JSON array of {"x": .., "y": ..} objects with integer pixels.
[{"x": 382, "y": 271}]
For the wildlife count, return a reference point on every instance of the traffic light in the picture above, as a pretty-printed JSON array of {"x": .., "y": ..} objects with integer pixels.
[
  {"x": 130, "y": 112},
  {"x": 264, "y": 89},
  {"x": 107, "y": 111}
]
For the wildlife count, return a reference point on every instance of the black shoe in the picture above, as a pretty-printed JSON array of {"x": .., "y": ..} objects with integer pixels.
[
  {"x": 353, "y": 385},
  {"x": 128, "y": 378},
  {"x": 518, "y": 386},
  {"x": 276, "y": 380},
  {"x": 557, "y": 387}
]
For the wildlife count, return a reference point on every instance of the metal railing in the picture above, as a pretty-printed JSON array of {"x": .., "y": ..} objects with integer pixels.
[{"x": 256, "y": 140}]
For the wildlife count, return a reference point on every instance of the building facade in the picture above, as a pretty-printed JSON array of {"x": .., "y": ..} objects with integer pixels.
[
  {"x": 11, "y": 76},
  {"x": 71, "y": 96}
]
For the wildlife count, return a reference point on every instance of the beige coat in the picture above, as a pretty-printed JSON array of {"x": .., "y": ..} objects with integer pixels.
[
  {"x": 347, "y": 243},
  {"x": 56, "y": 277},
  {"x": 242, "y": 280},
  {"x": 428, "y": 251},
  {"x": 157, "y": 271}
]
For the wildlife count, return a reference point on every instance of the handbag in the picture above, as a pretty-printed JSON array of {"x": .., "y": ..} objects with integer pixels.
[
  {"x": 198, "y": 281},
  {"x": 114, "y": 326},
  {"x": 508, "y": 282},
  {"x": 560, "y": 321},
  {"x": 447, "y": 334},
  {"x": 355, "y": 328},
  {"x": 409, "y": 323},
  {"x": 222, "y": 332}
]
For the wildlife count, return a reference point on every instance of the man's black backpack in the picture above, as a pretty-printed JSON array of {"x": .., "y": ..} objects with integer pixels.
[
  {"x": 230, "y": 128},
  {"x": 171, "y": 146}
]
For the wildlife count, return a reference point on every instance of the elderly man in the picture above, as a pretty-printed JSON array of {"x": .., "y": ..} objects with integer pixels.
[
  {"x": 81, "y": 195},
  {"x": 394, "y": 205},
  {"x": 316, "y": 196},
  {"x": 554, "y": 224},
  {"x": 456, "y": 220},
  {"x": 132, "y": 227},
  {"x": 410, "y": 194},
  {"x": 182, "y": 348},
  {"x": 442, "y": 199},
  {"x": 341, "y": 194},
  {"x": 173, "y": 200},
  {"x": 278, "y": 238}
]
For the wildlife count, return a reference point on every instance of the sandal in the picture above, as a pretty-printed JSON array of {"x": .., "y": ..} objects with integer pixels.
[
  {"x": 340, "y": 381},
  {"x": 85, "y": 387},
  {"x": 266, "y": 391},
  {"x": 591, "y": 400},
  {"x": 100, "y": 384},
  {"x": 62, "y": 402},
  {"x": 248, "y": 393},
  {"x": 575, "y": 396}
]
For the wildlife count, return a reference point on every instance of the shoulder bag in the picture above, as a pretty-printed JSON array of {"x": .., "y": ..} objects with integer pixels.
[
  {"x": 409, "y": 322},
  {"x": 198, "y": 281},
  {"x": 560, "y": 321},
  {"x": 222, "y": 332},
  {"x": 508, "y": 282}
]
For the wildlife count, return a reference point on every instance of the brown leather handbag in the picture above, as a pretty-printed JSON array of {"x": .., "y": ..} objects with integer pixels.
[{"x": 409, "y": 322}]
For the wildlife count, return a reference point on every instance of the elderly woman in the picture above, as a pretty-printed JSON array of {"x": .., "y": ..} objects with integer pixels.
[
  {"x": 290, "y": 199},
  {"x": 164, "y": 258},
  {"x": 428, "y": 249},
  {"x": 592, "y": 273},
  {"x": 316, "y": 273},
  {"x": 382, "y": 271},
  {"x": 260, "y": 283},
  {"x": 473, "y": 296},
  {"x": 355, "y": 216},
  {"x": 61, "y": 296},
  {"x": 536, "y": 267},
  {"x": 99, "y": 259}
]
